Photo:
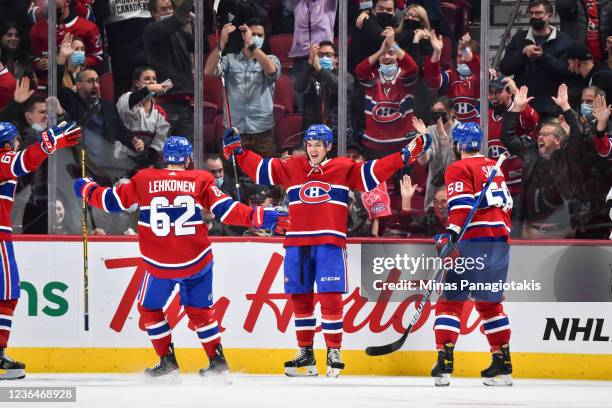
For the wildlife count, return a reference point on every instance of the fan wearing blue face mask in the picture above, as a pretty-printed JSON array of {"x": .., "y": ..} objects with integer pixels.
[
  {"x": 388, "y": 76},
  {"x": 317, "y": 80}
]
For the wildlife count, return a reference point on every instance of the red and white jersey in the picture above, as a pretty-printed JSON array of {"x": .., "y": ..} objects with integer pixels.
[
  {"x": 464, "y": 92},
  {"x": 318, "y": 195},
  {"x": 38, "y": 10},
  {"x": 603, "y": 146},
  {"x": 77, "y": 26},
  {"x": 172, "y": 235},
  {"x": 7, "y": 87},
  {"x": 14, "y": 165},
  {"x": 388, "y": 104},
  {"x": 465, "y": 180},
  {"x": 513, "y": 166}
]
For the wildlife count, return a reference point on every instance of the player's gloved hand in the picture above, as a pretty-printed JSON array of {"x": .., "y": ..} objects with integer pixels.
[
  {"x": 231, "y": 143},
  {"x": 271, "y": 218},
  {"x": 416, "y": 148},
  {"x": 446, "y": 245},
  {"x": 60, "y": 136},
  {"x": 83, "y": 187}
]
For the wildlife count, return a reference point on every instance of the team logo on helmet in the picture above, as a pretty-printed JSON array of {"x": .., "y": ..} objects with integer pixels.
[
  {"x": 386, "y": 112},
  {"x": 315, "y": 192}
]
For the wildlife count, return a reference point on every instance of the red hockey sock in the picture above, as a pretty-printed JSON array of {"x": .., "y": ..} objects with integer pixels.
[
  {"x": 331, "y": 322},
  {"x": 305, "y": 321},
  {"x": 495, "y": 323},
  {"x": 157, "y": 328},
  {"x": 448, "y": 322},
  {"x": 7, "y": 307},
  {"x": 206, "y": 327}
]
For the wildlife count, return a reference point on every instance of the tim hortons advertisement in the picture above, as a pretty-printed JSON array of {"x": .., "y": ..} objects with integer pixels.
[{"x": 253, "y": 311}]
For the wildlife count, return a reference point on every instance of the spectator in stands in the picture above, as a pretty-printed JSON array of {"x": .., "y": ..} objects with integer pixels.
[
  {"x": 15, "y": 10},
  {"x": 313, "y": 23},
  {"x": 462, "y": 83},
  {"x": 13, "y": 51},
  {"x": 609, "y": 49},
  {"x": 501, "y": 91},
  {"x": 553, "y": 169},
  {"x": 429, "y": 222},
  {"x": 124, "y": 25},
  {"x": 388, "y": 76},
  {"x": 36, "y": 118},
  {"x": 238, "y": 12},
  {"x": 251, "y": 76},
  {"x": 75, "y": 61},
  {"x": 580, "y": 62},
  {"x": 586, "y": 22},
  {"x": 537, "y": 58},
  {"x": 318, "y": 82},
  {"x": 589, "y": 95},
  {"x": 168, "y": 48},
  {"x": 214, "y": 165},
  {"x": 414, "y": 33},
  {"x": 145, "y": 118},
  {"x": 601, "y": 114},
  {"x": 103, "y": 129},
  {"x": 436, "y": 17},
  {"x": 359, "y": 224},
  {"x": 370, "y": 25},
  {"x": 38, "y": 10},
  {"x": 441, "y": 153},
  {"x": 7, "y": 86},
  {"x": 67, "y": 22}
]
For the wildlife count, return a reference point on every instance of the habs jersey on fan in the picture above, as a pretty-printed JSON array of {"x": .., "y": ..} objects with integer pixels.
[
  {"x": 465, "y": 180},
  {"x": 318, "y": 195},
  {"x": 172, "y": 235}
]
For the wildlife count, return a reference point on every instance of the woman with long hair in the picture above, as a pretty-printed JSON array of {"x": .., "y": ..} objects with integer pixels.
[{"x": 13, "y": 50}]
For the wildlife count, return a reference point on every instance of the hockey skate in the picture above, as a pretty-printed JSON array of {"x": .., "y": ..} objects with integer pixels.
[
  {"x": 217, "y": 366},
  {"x": 166, "y": 371},
  {"x": 498, "y": 373},
  {"x": 334, "y": 363},
  {"x": 303, "y": 365},
  {"x": 443, "y": 368},
  {"x": 9, "y": 368}
]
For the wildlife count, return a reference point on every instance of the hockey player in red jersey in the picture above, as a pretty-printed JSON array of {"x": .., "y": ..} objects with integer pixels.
[
  {"x": 462, "y": 83},
  {"x": 14, "y": 164},
  {"x": 318, "y": 193},
  {"x": 175, "y": 247},
  {"x": 486, "y": 242}
]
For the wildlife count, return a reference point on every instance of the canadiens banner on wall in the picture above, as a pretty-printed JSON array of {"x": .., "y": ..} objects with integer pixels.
[{"x": 253, "y": 312}]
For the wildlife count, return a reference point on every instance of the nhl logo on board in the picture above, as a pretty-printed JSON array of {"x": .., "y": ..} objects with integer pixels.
[{"x": 315, "y": 192}]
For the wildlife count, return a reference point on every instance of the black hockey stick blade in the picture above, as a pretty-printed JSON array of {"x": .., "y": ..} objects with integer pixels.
[{"x": 388, "y": 348}]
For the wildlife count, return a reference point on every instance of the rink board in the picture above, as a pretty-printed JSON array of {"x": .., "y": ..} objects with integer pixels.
[{"x": 257, "y": 329}]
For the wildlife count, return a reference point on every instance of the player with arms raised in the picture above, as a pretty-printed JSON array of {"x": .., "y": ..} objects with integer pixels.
[
  {"x": 486, "y": 242},
  {"x": 175, "y": 247},
  {"x": 14, "y": 164},
  {"x": 318, "y": 192}
]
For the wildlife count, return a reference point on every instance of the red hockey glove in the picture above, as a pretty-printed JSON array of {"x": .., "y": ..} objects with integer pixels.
[{"x": 60, "y": 136}]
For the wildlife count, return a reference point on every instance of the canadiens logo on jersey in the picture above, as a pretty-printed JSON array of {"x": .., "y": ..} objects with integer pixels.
[
  {"x": 315, "y": 192},
  {"x": 466, "y": 107},
  {"x": 495, "y": 150},
  {"x": 385, "y": 112}
]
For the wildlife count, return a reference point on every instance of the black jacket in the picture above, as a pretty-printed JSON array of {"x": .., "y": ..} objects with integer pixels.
[
  {"x": 574, "y": 21},
  {"x": 568, "y": 164},
  {"x": 542, "y": 75},
  {"x": 168, "y": 49}
]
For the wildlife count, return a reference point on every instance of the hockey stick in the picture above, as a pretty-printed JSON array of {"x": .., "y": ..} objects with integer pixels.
[
  {"x": 85, "y": 238},
  {"x": 397, "y": 344},
  {"x": 224, "y": 92}
]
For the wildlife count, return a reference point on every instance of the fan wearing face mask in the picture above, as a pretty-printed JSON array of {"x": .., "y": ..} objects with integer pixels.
[
  {"x": 388, "y": 77},
  {"x": 537, "y": 58},
  {"x": 462, "y": 83}
]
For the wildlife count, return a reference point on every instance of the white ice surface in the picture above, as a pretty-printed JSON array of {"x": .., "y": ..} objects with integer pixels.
[{"x": 254, "y": 391}]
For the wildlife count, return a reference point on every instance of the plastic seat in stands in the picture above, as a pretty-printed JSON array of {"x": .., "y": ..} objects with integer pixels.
[
  {"x": 213, "y": 91},
  {"x": 280, "y": 45},
  {"x": 210, "y": 111},
  {"x": 283, "y": 93},
  {"x": 107, "y": 87},
  {"x": 288, "y": 131},
  {"x": 210, "y": 139}
]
